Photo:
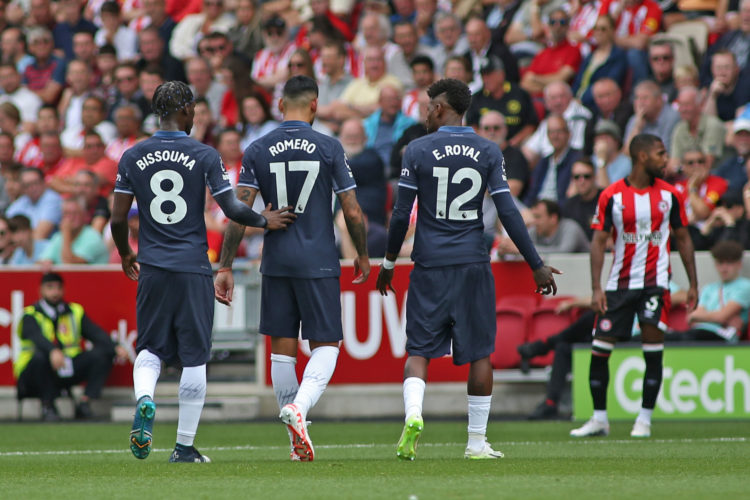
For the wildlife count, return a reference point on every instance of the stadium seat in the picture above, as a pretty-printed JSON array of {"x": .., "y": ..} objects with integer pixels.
[
  {"x": 512, "y": 323},
  {"x": 527, "y": 302},
  {"x": 696, "y": 31},
  {"x": 677, "y": 318},
  {"x": 546, "y": 322}
]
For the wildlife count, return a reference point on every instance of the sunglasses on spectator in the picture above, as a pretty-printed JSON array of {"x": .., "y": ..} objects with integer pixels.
[
  {"x": 582, "y": 176},
  {"x": 561, "y": 22},
  {"x": 214, "y": 50},
  {"x": 697, "y": 161},
  {"x": 213, "y": 4},
  {"x": 661, "y": 58},
  {"x": 493, "y": 128}
]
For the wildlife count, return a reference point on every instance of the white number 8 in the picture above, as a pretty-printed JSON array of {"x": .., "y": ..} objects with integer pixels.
[{"x": 173, "y": 195}]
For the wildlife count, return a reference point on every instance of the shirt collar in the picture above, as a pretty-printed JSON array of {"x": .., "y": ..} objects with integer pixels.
[
  {"x": 170, "y": 133},
  {"x": 452, "y": 129},
  {"x": 294, "y": 124}
]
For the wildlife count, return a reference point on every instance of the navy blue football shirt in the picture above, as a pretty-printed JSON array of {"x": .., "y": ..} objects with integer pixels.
[
  {"x": 450, "y": 170},
  {"x": 168, "y": 174},
  {"x": 295, "y": 165}
]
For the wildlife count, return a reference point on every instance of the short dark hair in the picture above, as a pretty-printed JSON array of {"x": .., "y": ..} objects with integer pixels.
[
  {"x": 422, "y": 59},
  {"x": 642, "y": 142},
  {"x": 171, "y": 97},
  {"x": 110, "y": 7},
  {"x": 298, "y": 86},
  {"x": 35, "y": 170},
  {"x": 727, "y": 251},
  {"x": 51, "y": 278},
  {"x": 456, "y": 92},
  {"x": 586, "y": 160},
  {"x": 19, "y": 222},
  {"x": 108, "y": 49},
  {"x": 553, "y": 208}
]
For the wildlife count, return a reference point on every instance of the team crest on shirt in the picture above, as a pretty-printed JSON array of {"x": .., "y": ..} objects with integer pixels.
[
  {"x": 605, "y": 325},
  {"x": 514, "y": 106},
  {"x": 663, "y": 206}
]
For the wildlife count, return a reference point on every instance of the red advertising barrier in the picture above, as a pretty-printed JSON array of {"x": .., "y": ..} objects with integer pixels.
[
  {"x": 373, "y": 350},
  {"x": 374, "y": 339}
]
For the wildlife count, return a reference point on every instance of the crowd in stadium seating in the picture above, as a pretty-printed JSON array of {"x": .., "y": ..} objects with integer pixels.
[{"x": 561, "y": 87}]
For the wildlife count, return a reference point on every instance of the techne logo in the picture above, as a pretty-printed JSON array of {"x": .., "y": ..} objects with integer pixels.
[{"x": 716, "y": 391}]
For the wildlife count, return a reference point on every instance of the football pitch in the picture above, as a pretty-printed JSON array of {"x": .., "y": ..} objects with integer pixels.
[{"x": 357, "y": 460}]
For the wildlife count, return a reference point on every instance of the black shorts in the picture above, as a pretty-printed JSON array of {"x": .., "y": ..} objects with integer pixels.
[
  {"x": 175, "y": 313},
  {"x": 451, "y": 305},
  {"x": 316, "y": 303},
  {"x": 650, "y": 305}
]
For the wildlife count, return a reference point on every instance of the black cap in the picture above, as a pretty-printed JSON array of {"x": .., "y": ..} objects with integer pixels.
[
  {"x": 274, "y": 22},
  {"x": 51, "y": 278},
  {"x": 491, "y": 63}
]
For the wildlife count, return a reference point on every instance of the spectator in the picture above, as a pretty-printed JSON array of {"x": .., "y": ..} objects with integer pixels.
[
  {"x": 734, "y": 169},
  {"x": 7, "y": 245},
  {"x": 270, "y": 64},
  {"x": 127, "y": 90},
  {"x": 114, "y": 33},
  {"x": 52, "y": 333},
  {"x": 695, "y": 130},
  {"x": 228, "y": 146},
  {"x": 609, "y": 105},
  {"x": 235, "y": 74},
  {"x": 84, "y": 49},
  {"x": 334, "y": 81},
  {"x": 736, "y": 40},
  {"x": 606, "y": 61},
  {"x": 128, "y": 124},
  {"x": 387, "y": 124},
  {"x": 46, "y": 75},
  {"x": 321, "y": 9},
  {"x": 360, "y": 98},
  {"x": 499, "y": 16},
  {"x": 492, "y": 126},
  {"x": 92, "y": 159},
  {"x": 405, "y": 36},
  {"x": 184, "y": 40},
  {"x": 375, "y": 31},
  {"x": 558, "y": 99},
  {"x": 525, "y": 35},
  {"x": 203, "y": 84},
  {"x": 149, "y": 80},
  {"x": 651, "y": 115},
  {"x": 215, "y": 48},
  {"x": 459, "y": 68},
  {"x": 481, "y": 47},
  {"x": 424, "y": 17},
  {"x": 52, "y": 154},
  {"x": 155, "y": 14},
  {"x": 27, "y": 249},
  {"x": 499, "y": 95},
  {"x": 257, "y": 120},
  {"x": 47, "y": 121},
  {"x": 423, "y": 73},
  {"x": 27, "y": 102},
  {"x": 583, "y": 17},
  {"x": 323, "y": 33},
  {"x": 611, "y": 164},
  {"x": 87, "y": 186},
  {"x": 69, "y": 23},
  {"x": 722, "y": 309},
  {"x": 11, "y": 189},
  {"x": 153, "y": 53},
  {"x": 700, "y": 189},
  {"x": 93, "y": 119},
  {"x": 452, "y": 42},
  {"x": 581, "y": 206},
  {"x": 10, "y": 122},
  {"x": 39, "y": 203},
  {"x": 661, "y": 64},
  {"x": 204, "y": 126},
  {"x": 728, "y": 221},
  {"x": 550, "y": 179},
  {"x": 246, "y": 33},
  {"x": 76, "y": 242},
  {"x": 70, "y": 107},
  {"x": 413, "y": 132},
  {"x": 558, "y": 62},
  {"x": 40, "y": 14},
  {"x": 13, "y": 48},
  {"x": 726, "y": 93},
  {"x": 638, "y": 22},
  {"x": 549, "y": 232}
]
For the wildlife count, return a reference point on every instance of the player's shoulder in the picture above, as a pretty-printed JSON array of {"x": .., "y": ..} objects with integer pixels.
[
  {"x": 663, "y": 185},
  {"x": 615, "y": 187}
]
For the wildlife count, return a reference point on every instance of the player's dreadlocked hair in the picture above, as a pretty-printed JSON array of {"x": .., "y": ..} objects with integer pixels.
[
  {"x": 170, "y": 97},
  {"x": 456, "y": 92}
]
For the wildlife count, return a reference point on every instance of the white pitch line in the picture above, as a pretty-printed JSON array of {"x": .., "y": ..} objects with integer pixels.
[{"x": 383, "y": 445}]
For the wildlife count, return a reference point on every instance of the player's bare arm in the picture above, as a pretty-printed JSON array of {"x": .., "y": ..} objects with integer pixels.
[
  {"x": 687, "y": 254},
  {"x": 598, "y": 245},
  {"x": 355, "y": 224},
  {"x": 119, "y": 225}
]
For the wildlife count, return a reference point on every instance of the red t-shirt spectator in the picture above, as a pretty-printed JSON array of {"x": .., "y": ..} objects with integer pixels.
[
  {"x": 710, "y": 191},
  {"x": 552, "y": 59}
]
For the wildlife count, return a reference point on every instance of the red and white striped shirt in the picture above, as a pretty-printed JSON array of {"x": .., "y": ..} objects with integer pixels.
[
  {"x": 267, "y": 63},
  {"x": 640, "y": 220},
  {"x": 410, "y": 104},
  {"x": 117, "y": 147}
]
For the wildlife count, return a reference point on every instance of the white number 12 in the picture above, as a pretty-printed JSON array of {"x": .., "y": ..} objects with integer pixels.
[
  {"x": 455, "y": 212},
  {"x": 278, "y": 169}
]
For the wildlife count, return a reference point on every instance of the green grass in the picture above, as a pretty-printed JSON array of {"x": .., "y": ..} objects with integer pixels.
[{"x": 357, "y": 460}]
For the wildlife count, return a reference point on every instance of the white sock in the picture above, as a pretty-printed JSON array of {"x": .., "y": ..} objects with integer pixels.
[
  {"x": 284, "y": 378},
  {"x": 413, "y": 396},
  {"x": 645, "y": 416},
  {"x": 192, "y": 395},
  {"x": 146, "y": 370},
  {"x": 318, "y": 372},
  {"x": 479, "y": 412},
  {"x": 601, "y": 416}
]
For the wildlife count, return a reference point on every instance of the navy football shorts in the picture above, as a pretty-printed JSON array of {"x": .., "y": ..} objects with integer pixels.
[
  {"x": 315, "y": 302},
  {"x": 451, "y": 305},
  {"x": 175, "y": 313},
  {"x": 651, "y": 305}
]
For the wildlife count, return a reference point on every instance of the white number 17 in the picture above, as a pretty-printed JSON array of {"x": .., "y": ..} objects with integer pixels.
[{"x": 279, "y": 168}]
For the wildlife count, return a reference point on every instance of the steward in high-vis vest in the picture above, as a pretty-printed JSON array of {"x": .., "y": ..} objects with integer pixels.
[{"x": 52, "y": 355}]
